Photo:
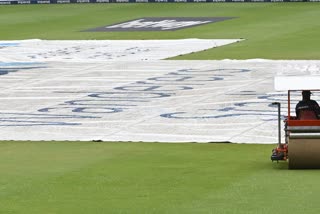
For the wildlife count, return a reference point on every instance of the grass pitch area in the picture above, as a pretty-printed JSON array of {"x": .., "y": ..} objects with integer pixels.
[
  {"x": 271, "y": 30},
  {"x": 87, "y": 177}
]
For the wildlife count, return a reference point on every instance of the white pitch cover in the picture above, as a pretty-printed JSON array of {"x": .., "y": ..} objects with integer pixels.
[
  {"x": 73, "y": 90},
  {"x": 103, "y": 50}
]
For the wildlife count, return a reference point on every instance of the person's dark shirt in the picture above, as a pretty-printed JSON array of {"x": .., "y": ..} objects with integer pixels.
[{"x": 308, "y": 105}]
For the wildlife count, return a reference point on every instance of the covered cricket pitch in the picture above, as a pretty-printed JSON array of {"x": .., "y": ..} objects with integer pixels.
[
  {"x": 53, "y": 89},
  {"x": 121, "y": 90}
]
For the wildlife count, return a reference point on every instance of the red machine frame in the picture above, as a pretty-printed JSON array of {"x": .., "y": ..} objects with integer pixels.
[{"x": 281, "y": 151}]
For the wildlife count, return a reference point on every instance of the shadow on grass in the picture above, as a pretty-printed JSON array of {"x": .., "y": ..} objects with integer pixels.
[{"x": 281, "y": 165}]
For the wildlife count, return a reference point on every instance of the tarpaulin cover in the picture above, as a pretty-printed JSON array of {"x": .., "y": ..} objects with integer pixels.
[{"x": 138, "y": 100}]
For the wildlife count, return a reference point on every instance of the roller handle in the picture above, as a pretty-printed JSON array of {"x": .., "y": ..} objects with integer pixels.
[{"x": 279, "y": 123}]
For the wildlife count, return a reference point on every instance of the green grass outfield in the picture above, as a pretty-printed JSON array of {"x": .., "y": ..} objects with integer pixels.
[
  {"x": 87, "y": 177},
  {"x": 271, "y": 30}
]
